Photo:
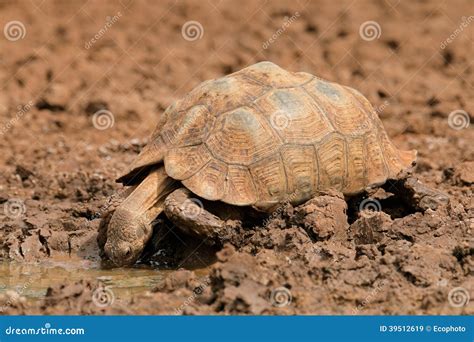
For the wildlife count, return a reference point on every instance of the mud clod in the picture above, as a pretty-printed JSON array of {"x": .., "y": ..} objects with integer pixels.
[
  {"x": 371, "y": 229},
  {"x": 323, "y": 217}
]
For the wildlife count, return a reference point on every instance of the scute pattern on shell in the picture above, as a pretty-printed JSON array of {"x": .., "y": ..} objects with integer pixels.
[{"x": 224, "y": 141}]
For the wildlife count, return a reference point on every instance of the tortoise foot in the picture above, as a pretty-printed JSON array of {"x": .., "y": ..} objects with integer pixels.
[
  {"x": 188, "y": 213},
  {"x": 421, "y": 196}
]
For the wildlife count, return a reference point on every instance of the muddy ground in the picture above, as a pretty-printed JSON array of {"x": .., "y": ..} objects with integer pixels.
[{"x": 71, "y": 60}]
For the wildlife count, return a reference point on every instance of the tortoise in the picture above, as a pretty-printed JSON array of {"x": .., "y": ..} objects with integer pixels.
[{"x": 256, "y": 138}]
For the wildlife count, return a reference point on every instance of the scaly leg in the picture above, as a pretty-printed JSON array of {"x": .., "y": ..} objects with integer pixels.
[
  {"x": 419, "y": 195},
  {"x": 189, "y": 214}
]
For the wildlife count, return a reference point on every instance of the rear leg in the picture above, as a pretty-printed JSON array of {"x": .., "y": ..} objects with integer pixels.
[{"x": 418, "y": 195}]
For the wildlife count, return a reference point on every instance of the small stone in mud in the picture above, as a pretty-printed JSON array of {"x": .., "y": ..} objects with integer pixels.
[
  {"x": 23, "y": 172},
  {"x": 55, "y": 98},
  {"x": 464, "y": 173}
]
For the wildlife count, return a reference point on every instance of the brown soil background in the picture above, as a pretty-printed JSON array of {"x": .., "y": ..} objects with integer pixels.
[{"x": 63, "y": 168}]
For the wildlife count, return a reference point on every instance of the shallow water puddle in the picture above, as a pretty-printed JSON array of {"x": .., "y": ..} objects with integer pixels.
[{"x": 31, "y": 280}]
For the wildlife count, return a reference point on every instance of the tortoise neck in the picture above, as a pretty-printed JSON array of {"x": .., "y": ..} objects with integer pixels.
[{"x": 147, "y": 199}]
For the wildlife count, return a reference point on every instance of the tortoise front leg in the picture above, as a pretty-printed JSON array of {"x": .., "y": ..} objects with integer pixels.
[{"x": 189, "y": 214}]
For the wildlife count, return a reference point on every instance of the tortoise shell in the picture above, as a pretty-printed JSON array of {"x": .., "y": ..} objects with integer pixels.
[{"x": 264, "y": 136}]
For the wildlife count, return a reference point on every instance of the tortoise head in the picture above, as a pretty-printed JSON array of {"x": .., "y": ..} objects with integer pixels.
[{"x": 127, "y": 235}]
